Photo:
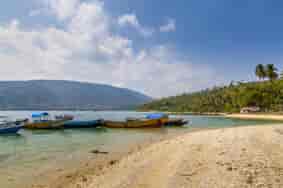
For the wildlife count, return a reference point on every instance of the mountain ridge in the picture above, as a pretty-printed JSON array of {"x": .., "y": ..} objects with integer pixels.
[{"x": 66, "y": 95}]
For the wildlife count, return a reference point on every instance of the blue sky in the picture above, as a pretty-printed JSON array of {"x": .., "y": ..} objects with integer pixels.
[{"x": 158, "y": 47}]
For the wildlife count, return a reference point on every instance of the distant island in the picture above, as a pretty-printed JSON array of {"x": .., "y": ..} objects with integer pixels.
[
  {"x": 66, "y": 95},
  {"x": 265, "y": 94}
]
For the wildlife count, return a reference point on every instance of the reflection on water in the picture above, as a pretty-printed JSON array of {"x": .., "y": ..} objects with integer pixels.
[{"x": 21, "y": 154}]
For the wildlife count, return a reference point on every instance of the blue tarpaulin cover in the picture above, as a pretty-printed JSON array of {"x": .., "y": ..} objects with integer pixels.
[
  {"x": 155, "y": 116},
  {"x": 39, "y": 114}
]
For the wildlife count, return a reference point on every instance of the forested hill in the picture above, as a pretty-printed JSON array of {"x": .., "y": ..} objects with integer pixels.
[
  {"x": 268, "y": 95},
  {"x": 66, "y": 95}
]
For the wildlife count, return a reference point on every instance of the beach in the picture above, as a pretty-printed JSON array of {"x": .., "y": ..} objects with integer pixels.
[
  {"x": 59, "y": 158},
  {"x": 249, "y": 156},
  {"x": 259, "y": 116},
  {"x": 90, "y": 164}
]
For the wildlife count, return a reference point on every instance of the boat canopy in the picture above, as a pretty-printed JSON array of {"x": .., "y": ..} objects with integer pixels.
[
  {"x": 39, "y": 114},
  {"x": 155, "y": 116}
]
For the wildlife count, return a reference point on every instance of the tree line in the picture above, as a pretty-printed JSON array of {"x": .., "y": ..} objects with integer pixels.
[{"x": 266, "y": 94}]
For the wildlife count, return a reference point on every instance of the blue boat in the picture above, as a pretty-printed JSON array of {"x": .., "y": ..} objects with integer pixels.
[
  {"x": 82, "y": 124},
  {"x": 10, "y": 127}
]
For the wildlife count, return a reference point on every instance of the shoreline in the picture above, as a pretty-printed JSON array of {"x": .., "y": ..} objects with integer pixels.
[
  {"x": 260, "y": 116},
  {"x": 189, "y": 113},
  {"x": 93, "y": 163},
  {"x": 107, "y": 171},
  {"x": 210, "y": 158},
  {"x": 248, "y": 116}
]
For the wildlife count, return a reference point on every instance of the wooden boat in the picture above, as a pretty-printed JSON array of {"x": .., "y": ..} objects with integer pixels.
[
  {"x": 159, "y": 116},
  {"x": 175, "y": 122},
  {"x": 82, "y": 124},
  {"x": 10, "y": 127},
  {"x": 166, "y": 121},
  {"x": 134, "y": 123},
  {"x": 64, "y": 117},
  {"x": 44, "y": 121},
  {"x": 10, "y": 130},
  {"x": 48, "y": 124}
]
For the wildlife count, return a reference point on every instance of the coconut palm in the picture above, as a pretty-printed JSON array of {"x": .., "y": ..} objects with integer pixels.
[
  {"x": 260, "y": 71},
  {"x": 271, "y": 72}
]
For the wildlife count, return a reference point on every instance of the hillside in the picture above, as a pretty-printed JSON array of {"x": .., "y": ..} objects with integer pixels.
[
  {"x": 268, "y": 95},
  {"x": 60, "y": 95}
]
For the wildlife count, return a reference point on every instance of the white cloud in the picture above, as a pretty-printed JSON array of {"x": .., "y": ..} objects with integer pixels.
[
  {"x": 131, "y": 20},
  {"x": 63, "y": 9},
  {"x": 86, "y": 49},
  {"x": 128, "y": 19},
  {"x": 170, "y": 26}
]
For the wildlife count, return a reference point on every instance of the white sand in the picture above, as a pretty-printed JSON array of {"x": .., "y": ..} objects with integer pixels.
[
  {"x": 232, "y": 157},
  {"x": 256, "y": 116}
]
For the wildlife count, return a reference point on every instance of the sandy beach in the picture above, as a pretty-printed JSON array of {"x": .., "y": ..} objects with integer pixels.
[
  {"x": 230, "y": 157},
  {"x": 274, "y": 117},
  {"x": 90, "y": 163}
]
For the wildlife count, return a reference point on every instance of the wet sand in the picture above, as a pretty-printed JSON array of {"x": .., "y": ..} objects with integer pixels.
[
  {"x": 238, "y": 157},
  {"x": 232, "y": 157},
  {"x": 92, "y": 163}
]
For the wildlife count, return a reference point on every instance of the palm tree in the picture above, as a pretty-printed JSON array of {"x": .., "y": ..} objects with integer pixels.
[
  {"x": 260, "y": 72},
  {"x": 271, "y": 72}
]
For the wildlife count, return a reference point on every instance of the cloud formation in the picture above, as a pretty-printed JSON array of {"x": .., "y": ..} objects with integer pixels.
[
  {"x": 63, "y": 9},
  {"x": 86, "y": 49},
  {"x": 131, "y": 20},
  {"x": 170, "y": 26}
]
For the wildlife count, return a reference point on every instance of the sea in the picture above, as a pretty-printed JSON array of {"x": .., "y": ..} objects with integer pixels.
[{"x": 31, "y": 152}]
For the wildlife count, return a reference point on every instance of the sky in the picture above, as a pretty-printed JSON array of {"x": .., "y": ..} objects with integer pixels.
[{"x": 160, "y": 48}]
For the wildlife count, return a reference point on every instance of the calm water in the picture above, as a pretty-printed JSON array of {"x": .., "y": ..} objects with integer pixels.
[{"x": 22, "y": 156}]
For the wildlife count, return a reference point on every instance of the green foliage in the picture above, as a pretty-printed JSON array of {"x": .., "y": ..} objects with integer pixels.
[
  {"x": 271, "y": 72},
  {"x": 266, "y": 95},
  {"x": 260, "y": 71},
  {"x": 266, "y": 71}
]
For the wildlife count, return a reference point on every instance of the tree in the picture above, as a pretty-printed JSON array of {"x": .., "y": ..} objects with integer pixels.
[
  {"x": 260, "y": 71},
  {"x": 271, "y": 72}
]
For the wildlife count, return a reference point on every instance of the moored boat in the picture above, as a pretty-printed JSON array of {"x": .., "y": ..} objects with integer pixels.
[
  {"x": 166, "y": 121},
  {"x": 82, "y": 124},
  {"x": 44, "y": 121},
  {"x": 51, "y": 124},
  {"x": 10, "y": 127},
  {"x": 176, "y": 122},
  {"x": 134, "y": 123},
  {"x": 158, "y": 116},
  {"x": 64, "y": 117},
  {"x": 144, "y": 123},
  {"x": 115, "y": 124}
]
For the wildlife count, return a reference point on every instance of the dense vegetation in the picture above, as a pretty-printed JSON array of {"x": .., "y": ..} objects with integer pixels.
[{"x": 266, "y": 94}]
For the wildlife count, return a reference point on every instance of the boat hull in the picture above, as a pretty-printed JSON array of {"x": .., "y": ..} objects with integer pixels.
[
  {"x": 139, "y": 123},
  {"x": 178, "y": 122},
  {"x": 115, "y": 124},
  {"x": 82, "y": 124},
  {"x": 10, "y": 130},
  {"x": 52, "y": 124}
]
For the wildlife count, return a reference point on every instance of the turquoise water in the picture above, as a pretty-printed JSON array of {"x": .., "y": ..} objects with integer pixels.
[{"x": 20, "y": 155}]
